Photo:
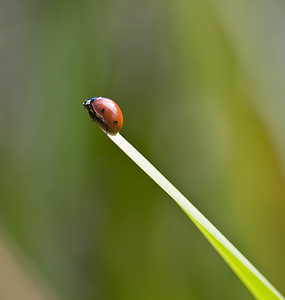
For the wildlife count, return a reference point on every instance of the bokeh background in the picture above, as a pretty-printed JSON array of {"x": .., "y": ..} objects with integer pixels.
[{"x": 201, "y": 85}]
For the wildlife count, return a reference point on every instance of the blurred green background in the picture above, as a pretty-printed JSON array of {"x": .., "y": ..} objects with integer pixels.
[{"x": 201, "y": 86}]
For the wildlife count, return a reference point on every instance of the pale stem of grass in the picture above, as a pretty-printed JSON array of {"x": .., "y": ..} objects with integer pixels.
[{"x": 243, "y": 268}]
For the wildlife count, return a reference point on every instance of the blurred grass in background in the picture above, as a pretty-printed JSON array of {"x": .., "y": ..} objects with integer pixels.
[{"x": 201, "y": 85}]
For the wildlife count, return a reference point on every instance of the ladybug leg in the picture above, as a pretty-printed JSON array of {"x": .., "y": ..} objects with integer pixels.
[
  {"x": 91, "y": 114},
  {"x": 94, "y": 117},
  {"x": 106, "y": 126},
  {"x": 102, "y": 122}
]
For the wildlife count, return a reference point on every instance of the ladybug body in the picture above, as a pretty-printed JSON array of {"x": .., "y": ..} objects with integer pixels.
[{"x": 106, "y": 110}]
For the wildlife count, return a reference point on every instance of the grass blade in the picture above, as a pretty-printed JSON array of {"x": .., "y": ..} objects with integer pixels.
[{"x": 258, "y": 285}]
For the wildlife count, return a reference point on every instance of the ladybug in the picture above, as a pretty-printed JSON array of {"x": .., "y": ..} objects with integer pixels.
[{"x": 106, "y": 111}]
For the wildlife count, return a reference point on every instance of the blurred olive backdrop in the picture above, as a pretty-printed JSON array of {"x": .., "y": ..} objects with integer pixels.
[{"x": 201, "y": 85}]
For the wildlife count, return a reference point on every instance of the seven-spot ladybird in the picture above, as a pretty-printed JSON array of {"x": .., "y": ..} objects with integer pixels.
[{"x": 105, "y": 110}]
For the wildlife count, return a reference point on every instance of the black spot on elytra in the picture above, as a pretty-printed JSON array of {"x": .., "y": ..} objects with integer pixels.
[
  {"x": 115, "y": 122},
  {"x": 102, "y": 110}
]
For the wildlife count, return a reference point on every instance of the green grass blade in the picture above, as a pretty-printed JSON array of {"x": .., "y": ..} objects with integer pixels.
[{"x": 258, "y": 285}]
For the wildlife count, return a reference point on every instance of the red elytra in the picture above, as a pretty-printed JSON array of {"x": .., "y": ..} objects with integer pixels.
[{"x": 109, "y": 112}]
